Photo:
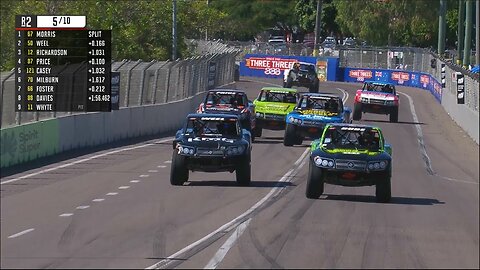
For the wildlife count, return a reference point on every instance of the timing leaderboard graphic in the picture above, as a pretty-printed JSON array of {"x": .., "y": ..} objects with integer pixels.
[{"x": 61, "y": 65}]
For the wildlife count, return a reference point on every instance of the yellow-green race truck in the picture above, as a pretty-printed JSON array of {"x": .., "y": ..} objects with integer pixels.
[{"x": 272, "y": 106}]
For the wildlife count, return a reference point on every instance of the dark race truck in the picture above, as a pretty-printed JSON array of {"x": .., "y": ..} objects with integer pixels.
[
  {"x": 350, "y": 155},
  {"x": 302, "y": 74},
  {"x": 376, "y": 97},
  {"x": 230, "y": 101},
  {"x": 211, "y": 143}
]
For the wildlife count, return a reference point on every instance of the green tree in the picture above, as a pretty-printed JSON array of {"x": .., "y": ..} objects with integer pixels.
[
  {"x": 247, "y": 18},
  {"x": 306, "y": 12}
]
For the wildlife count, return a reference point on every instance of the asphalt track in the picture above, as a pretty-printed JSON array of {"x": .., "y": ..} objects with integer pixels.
[{"x": 115, "y": 208}]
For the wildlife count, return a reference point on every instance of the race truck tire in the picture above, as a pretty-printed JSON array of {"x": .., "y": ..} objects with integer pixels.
[
  {"x": 315, "y": 185},
  {"x": 178, "y": 170},
  {"x": 289, "y": 82},
  {"x": 243, "y": 172},
  {"x": 383, "y": 190},
  {"x": 289, "y": 138},
  {"x": 299, "y": 140},
  {"x": 257, "y": 132},
  {"x": 357, "y": 112},
  {"x": 394, "y": 115},
  {"x": 314, "y": 88}
]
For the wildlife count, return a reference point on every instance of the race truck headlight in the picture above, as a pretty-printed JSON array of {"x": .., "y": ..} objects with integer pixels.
[
  {"x": 235, "y": 150},
  {"x": 364, "y": 100},
  {"x": 377, "y": 165},
  {"x": 186, "y": 150},
  {"x": 290, "y": 119},
  {"x": 324, "y": 162},
  {"x": 297, "y": 121},
  {"x": 258, "y": 114},
  {"x": 390, "y": 102}
]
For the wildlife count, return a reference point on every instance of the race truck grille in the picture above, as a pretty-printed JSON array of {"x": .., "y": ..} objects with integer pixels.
[
  {"x": 350, "y": 165},
  {"x": 208, "y": 152},
  {"x": 274, "y": 117},
  {"x": 376, "y": 101},
  {"x": 312, "y": 123}
]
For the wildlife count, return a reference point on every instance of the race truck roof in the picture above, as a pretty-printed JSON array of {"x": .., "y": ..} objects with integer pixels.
[
  {"x": 212, "y": 116},
  {"x": 320, "y": 95},
  {"x": 279, "y": 90},
  {"x": 351, "y": 125},
  {"x": 226, "y": 91},
  {"x": 378, "y": 82}
]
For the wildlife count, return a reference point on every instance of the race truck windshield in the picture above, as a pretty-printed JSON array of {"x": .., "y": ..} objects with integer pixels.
[
  {"x": 353, "y": 138},
  {"x": 225, "y": 99},
  {"x": 385, "y": 88},
  {"x": 330, "y": 104},
  {"x": 283, "y": 97},
  {"x": 307, "y": 68},
  {"x": 213, "y": 127}
]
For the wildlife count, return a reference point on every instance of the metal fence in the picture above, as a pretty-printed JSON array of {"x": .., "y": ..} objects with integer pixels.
[
  {"x": 413, "y": 59},
  {"x": 141, "y": 83}
]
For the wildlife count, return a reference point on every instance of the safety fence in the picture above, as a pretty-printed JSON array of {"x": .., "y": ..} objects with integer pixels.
[{"x": 141, "y": 83}]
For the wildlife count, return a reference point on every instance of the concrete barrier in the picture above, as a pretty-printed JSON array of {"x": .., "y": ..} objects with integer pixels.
[
  {"x": 28, "y": 142},
  {"x": 463, "y": 115}
]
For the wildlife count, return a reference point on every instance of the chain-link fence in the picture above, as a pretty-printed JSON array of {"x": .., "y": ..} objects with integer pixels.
[
  {"x": 141, "y": 83},
  {"x": 413, "y": 59},
  {"x": 250, "y": 47}
]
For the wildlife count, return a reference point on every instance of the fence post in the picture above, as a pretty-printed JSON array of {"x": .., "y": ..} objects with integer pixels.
[
  {"x": 157, "y": 71},
  {"x": 127, "y": 96},
  {"x": 142, "y": 82}
]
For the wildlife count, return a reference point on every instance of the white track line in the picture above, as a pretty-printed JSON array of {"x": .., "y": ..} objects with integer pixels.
[
  {"x": 423, "y": 149},
  {"x": 83, "y": 160},
  {"x": 21, "y": 233},
  {"x": 227, "y": 227},
  {"x": 98, "y": 200},
  {"x": 218, "y": 257},
  {"x": 81, "y": 207},
  {"x": 66, "y": 215},
  {"x": 123, "y": 187}
]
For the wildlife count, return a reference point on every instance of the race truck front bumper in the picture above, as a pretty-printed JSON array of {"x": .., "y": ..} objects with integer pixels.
[
  {"x": 378, "y": 106},
  {"x": 270, "y": 121}
]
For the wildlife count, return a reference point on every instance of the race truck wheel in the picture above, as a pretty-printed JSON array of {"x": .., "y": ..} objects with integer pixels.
[
  {"x": 394, "y": 115},
  {"x": 383, "y": 190},
  {"x": 243, "y": 172},
  {"x": 257, "y": 132},
  {"x": 299, "y": 140},
  {"x": 289, "y": 138},
  {"x": 357, "y": 112},
  {"x": 289, "y": 82},
  {"x": 315, "y": 183},
  {"x": 314, "y": 88},
  {"x": 178, "y": 170}
]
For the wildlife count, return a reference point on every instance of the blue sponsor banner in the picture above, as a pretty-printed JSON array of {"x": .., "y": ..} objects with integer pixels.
[
  {"x": 270, "y": 66},
  {"x": 397, "y": 77}
]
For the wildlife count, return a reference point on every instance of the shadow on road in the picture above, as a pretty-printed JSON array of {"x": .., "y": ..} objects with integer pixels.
[
  {"x": 399, "y": 122},
  {"x": 260, "y": 141},
  {"x": 395, "y": 200},
  {"x": 233, "y": 183}
]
